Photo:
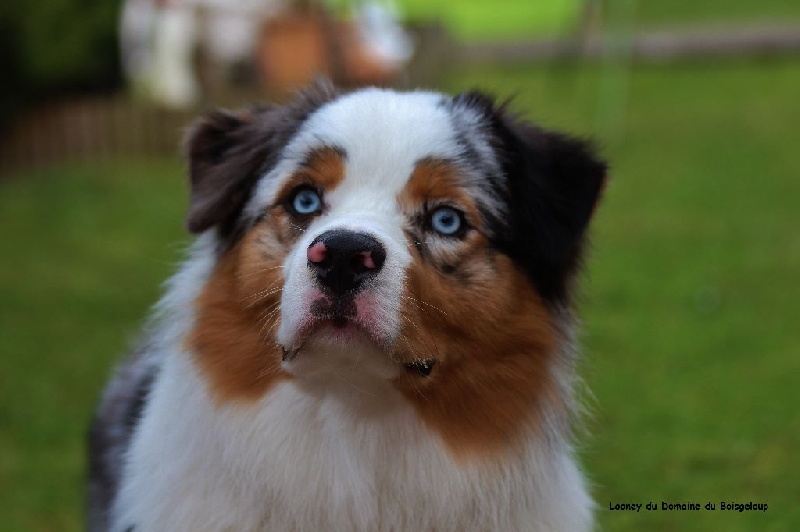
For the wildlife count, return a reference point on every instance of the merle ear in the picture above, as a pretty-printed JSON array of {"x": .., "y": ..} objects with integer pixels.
[
  {"x": 223, "y": 166},
  {"x": 554, "y": 182}
]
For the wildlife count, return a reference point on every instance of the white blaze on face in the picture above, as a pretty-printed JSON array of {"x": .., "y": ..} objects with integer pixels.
[{"x": 383, "y": 135}]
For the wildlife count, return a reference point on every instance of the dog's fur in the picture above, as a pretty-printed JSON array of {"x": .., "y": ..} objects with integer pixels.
[{"x": 435, "y": 395}]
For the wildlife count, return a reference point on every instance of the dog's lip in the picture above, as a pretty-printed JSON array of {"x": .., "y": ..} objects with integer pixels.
[
  {"x": 334, "y": 308},
  {"x": 338, "y": 323},
  {"x": 319, "y": 322},
  {"x": 337, "y": 313},
  {"x": 339, "y": 319}
]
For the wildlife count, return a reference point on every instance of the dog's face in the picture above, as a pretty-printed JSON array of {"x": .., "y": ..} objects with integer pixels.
[{"x": 418, "y": 239}]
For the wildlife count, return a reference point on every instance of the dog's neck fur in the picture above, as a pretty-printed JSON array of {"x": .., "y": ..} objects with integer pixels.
[{"x": 320, "y": 454}]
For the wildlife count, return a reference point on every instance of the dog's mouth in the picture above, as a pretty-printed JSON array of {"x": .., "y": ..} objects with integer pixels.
[
  {"x": 333, "y": 320},
  {"x": 336, "y": 321},
  {"x": 339, "y": 312}
]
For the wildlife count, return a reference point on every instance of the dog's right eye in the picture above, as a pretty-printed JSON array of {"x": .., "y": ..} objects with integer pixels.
[{"x": 305, "y": 202}]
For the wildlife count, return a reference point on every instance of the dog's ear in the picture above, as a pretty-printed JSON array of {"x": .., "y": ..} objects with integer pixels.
[
  {"x": 554, "y": 182},
  {"x": 223, "y": 166},
  {"x": 229, "y": 151}
]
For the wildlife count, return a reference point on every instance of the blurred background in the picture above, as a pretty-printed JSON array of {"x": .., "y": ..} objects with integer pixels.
[{"x": 691, "y": 291}]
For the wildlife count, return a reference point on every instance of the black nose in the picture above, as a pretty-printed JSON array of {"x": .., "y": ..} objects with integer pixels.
[{"x": 343, "y": 260}]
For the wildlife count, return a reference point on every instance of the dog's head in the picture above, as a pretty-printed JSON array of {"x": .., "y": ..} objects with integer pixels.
[{"x": 427, "y": 240}]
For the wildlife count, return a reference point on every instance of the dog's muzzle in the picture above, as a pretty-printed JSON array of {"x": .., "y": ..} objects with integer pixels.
[{"x": 345, "y": 300}]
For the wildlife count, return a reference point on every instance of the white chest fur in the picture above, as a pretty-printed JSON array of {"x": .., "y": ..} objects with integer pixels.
[{"x": 305, "y": 459}]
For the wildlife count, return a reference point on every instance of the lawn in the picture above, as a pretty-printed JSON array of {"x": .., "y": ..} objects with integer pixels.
[
  {"x": 690, "y": 298},
  {"x": 83, "y": 252},
  {"x": 520, "y": 19}
]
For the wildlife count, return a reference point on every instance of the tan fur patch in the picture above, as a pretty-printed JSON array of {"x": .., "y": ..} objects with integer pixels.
[
  {"x": 493, "y": 339},
  {"x": 494, "y": 343},
  {"x": 238, "y": 311},
  {"x": 236, "y": 316}
]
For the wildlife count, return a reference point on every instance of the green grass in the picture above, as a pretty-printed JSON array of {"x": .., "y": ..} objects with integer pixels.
[
  {"x": 510, "y": 19},
  {"x": 691, "y": 295},
  {"x": 716, "y": 12},
  {"x": 83, "y": 252},
  {"x": 485, "y": 19}
]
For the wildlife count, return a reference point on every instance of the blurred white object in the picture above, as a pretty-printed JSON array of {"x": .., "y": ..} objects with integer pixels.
[
  {"x": 234, "y": 25},
  {"x": 158, "y": 39},
  {"x": 136, "y": 24},
  {"x": 171, "y": 77},
  {"x": 381, "y": 32}
]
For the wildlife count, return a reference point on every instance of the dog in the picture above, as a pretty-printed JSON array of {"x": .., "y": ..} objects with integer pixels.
[{"x": 372, "y": 331}]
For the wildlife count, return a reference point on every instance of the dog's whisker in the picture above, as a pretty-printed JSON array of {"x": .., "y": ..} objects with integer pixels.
[
  {"x": 302, "y": 230},
  {"x": 262, "y": 294},
  {"x": 423, "y": 302},
  {"x": 411, "y": 245},
  {"x": 260, "y": 297},
  {"x": 434, "y": 307},
  {"x": 416, "y": 388},
  {"x": 411, "y": 380},
  {"x": 268, "y": 313},
  {"x": 243, "y": 275},
  {"x": 275, "y": 322},
  {"x": 265, "y": 301},
  {"x": 416, "y": 356},
  {"x": 352, "y": 385},
  {"x": 417, "y": 303},
  {"x": 266, "y": 372},
  {"x": 414, "y": 304},
  {"x": 263, "y": 333},
  {"x": 426, "y": 339},
  {"x": 273, "y": 283}
]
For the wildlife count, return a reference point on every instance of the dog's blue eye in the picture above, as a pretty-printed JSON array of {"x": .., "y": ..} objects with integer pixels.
[
  {"x": 306, "y": 201},
  {"x": 446, "y": 221}
]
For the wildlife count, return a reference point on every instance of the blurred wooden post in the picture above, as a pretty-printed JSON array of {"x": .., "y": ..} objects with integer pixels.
[{"x": 293, "y": 49}]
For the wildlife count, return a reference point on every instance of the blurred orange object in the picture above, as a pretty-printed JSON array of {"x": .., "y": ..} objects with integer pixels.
[{"x": 296, "y": 47}]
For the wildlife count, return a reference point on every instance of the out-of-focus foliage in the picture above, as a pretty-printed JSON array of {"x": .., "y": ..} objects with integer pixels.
[{"x": 50, "y": 46}]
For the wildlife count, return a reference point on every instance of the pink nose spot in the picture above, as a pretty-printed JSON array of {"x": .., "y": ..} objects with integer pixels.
[
  {"x": 368, "y": 262},
  {"x": 317, "y": 252}
]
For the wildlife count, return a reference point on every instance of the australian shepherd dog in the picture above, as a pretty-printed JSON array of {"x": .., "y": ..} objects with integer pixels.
[{"x": 373, "y": 330}]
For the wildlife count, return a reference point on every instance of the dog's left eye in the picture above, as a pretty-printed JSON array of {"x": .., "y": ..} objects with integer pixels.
[
  {"x": 447, "y": 221},
  {"x": 305, "y": 201}
]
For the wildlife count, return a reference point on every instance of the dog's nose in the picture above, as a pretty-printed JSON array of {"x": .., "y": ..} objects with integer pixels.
[{"x": 343, "y": 260}]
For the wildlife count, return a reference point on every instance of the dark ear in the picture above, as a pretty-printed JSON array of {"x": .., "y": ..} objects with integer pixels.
[
  {"x": 229, "y": 152},
  {"x": 554, "y": 182},
  {"x": 223, "y": 167}
]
